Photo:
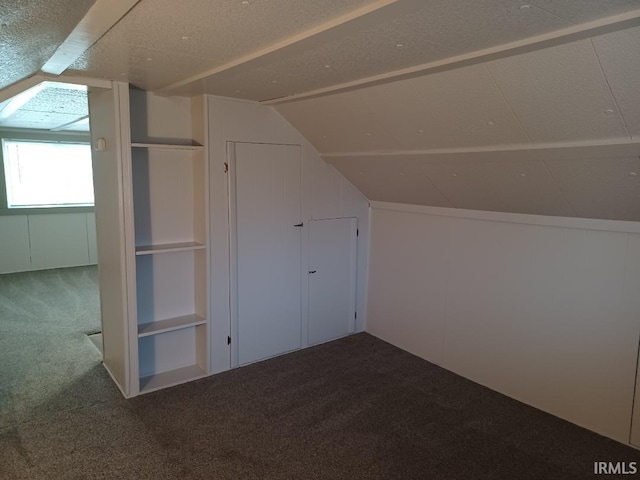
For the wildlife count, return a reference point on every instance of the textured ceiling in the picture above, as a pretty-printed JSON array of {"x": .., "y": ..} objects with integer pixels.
[
  {"x": 48, "y": 106},
  {"x": 582, "y": 91},
  {"x": 30, "y": 32},
  {"x": 161, "y": 43}
]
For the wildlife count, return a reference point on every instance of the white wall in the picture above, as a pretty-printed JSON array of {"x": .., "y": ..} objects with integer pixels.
[
  {"x": 325, "y": 194},
  {"x": 545, "y": 310},
  {"x": 39, "y": 242}
]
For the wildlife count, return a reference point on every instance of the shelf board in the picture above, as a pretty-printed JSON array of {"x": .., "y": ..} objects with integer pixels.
[
  {"x": 168, "y": 146},
  {"x": 169, "y": 325},
  {"x": 171, "y": 378},
  {"x": 168, "y": 248}
]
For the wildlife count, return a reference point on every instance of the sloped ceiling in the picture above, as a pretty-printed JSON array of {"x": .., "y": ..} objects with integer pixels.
[
  {"x": 161, "y": 42},
  {"x": 47, "y": 106},
  {"x": 581, "y": 91},
  {"x": 266, "y": 49},
  {"x": 31, "y": 31},
  {"x": 502, "y": 135},
  {"x": 507, "y": 105}
]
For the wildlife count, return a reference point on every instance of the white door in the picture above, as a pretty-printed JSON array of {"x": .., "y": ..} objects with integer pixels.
[
  {"x": 332, "y": 278},
  {"x": 267, "y": 239}
]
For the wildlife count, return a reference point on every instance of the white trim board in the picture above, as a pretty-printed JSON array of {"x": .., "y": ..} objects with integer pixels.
[
  {"x": 560, "y": 222},
  {"x": 100, "y": 18},
  {"x": 543, "y": 151}
]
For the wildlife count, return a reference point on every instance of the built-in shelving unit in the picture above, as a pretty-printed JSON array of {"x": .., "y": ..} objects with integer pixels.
[
  {"x": 170, "y": 204},
  {"x": 153, "y": 230}
]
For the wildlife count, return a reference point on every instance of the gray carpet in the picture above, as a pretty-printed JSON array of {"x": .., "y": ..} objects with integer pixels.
[
  {"x": 356, "y": 408},
  {"x": 48, "y": 364}
]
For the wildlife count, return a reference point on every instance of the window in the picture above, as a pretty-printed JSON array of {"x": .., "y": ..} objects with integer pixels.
[{"x": 47, "y": 174}]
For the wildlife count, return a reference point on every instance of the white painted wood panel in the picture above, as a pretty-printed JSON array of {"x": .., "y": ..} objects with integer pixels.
[
  {"x": 267, "y": 210},
  {"x": 108, "y": 109},
  {"x": 58, "y": 240},
  {"x": 155, "y": 118},
  {"x": 15, "y": 255},
  {"x": 167, "y": 351},
  {"x": 53, "y": 243},
  {"x": 407, "y": 283},
  {"x": 91, "y": 238},
  {"x": 163, "y": 190},
  {"x": 332, "y": 278},
  {"x": 545, "y": 314},
  {"x": 165, "y": 286}
]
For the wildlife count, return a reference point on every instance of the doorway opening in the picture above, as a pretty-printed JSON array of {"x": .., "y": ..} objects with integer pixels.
[{"x": 49, "y": 289}]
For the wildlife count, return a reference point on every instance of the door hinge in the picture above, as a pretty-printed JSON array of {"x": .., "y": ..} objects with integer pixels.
[
  {"x": 357, "y": 232},
  {"x": 228, "y": 340},
  {"x": 356, "y": 314},
  {"x": 226, "y": 167}
]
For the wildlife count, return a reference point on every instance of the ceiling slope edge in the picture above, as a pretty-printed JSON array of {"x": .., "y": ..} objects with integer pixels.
[
  {"x": 25, "y": 84},
  {"x": 539, "y": 42},
  {"x": 596, "y": 181}
]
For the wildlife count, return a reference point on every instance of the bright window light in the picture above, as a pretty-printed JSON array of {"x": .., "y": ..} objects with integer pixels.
[{"x": 47, "y": 174}]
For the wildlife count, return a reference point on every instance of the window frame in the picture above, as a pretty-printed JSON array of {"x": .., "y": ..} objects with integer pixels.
[{"x": 38, "y": 136}]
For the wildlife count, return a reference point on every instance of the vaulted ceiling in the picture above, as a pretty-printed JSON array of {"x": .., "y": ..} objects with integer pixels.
[
  {"x": 506, "y": 105},
  {"x": 48, "y": 106}
]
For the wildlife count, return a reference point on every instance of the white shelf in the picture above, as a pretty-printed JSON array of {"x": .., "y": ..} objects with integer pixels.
[
  {"x": 169, "y": 325},
  {"x": 168, "y": 146},
  {"x": 168, "y": 248},
  {"x": 171, "y": 378}
]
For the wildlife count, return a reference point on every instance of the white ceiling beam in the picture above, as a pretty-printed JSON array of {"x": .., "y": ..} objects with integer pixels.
[
  {"x": 75, "y": 80},
  {"x": 538, "y": 42},
  {"x": 100, "y": 18},
  {"x": 370, "y": 14},
  {"x": 556, "y": 151}
]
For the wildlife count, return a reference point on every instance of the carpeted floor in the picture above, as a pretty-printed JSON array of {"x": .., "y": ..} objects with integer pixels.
[
  {"x": 356, "y": 408},
  {"x": 47, "y": 362}
]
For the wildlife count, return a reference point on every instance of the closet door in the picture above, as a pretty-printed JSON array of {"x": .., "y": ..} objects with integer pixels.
[
  {"x": 267, "y": 238},
  {"x": 332, "y": 278}
]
